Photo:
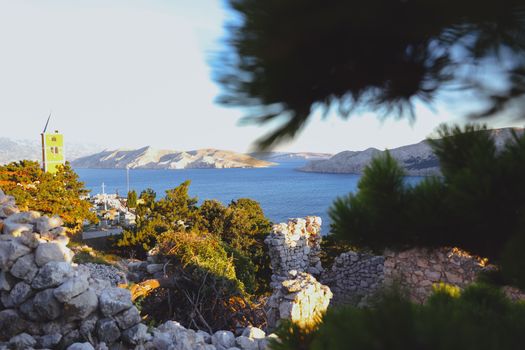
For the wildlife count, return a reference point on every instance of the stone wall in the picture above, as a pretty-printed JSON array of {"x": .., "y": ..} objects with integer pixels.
[
  {"x": 297, "y": 297},
  {"x": 294, "y": 250},
  {"x": 354, "y": 276},
  {"x": 296, "y": 246},
  {"x": 46, "y": 301},
  {"x": 49, "y": 302},
  {"x": 417, "y": 270}
]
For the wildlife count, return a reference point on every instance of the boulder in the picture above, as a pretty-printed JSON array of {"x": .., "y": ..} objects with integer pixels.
[
  {"x": 48, "y": 341},
  {"x": 6, "y": 281},
  {"x": 70, "y": 338},
  {"x": 71, "y": 288},
  {"x": 25, "y": 268},
  {"x": 52, "y": 251},
  {"x": 10, "y": 251},
  {"x": 45, "y": 223},
  {"x": 27, "y": 309},
  {"x": 107, "y": 330},
  {"x": 88, "y": 327},
  {"x": 80, "y": 346},
  {"x": 253, "y": 333},
  {"x": 136, "y": 335},
  {"x": 114, "y": 300},
  {"x": 223, "y": 340},
  {"x": 81, "y": 306},
  {"x": 46, "y": 305},
  {"x": 11, "y": 324},
  {"x": 52, "y": 274},
  {"x": 128, "y": 318},
  {"x": 20, "y": 293},
  {"x": 246, "y": 343},
  {"x": 22, "y": 341},
  {"x": 15, "y": 229}
]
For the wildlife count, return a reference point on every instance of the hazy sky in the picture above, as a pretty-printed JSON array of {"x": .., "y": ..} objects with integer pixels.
[{"x": 129, "y": 73}]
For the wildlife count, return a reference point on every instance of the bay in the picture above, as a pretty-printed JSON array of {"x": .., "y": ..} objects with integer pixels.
[{"x": 282, "y": 191}]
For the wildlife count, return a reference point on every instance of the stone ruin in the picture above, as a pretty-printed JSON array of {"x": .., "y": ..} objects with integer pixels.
[
  {"x": 297, "y": 297},
  {"x": 296, "y": 246},
  {"x": 356, "y": 276},
  {"x": 49, "y": 302},
  {"x": 294, "y": 250}
]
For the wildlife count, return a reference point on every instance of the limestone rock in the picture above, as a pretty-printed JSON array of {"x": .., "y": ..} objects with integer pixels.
[
  {"x": 6, "y": 281},
  {"x": 11, "y": 323},
  {"x": 52, "y": 251},
  {"x": 20, "y": 293},
  {"x": 88, "y": 327},
  {"x": 71, "y": 288},
  {"x": 10, "y": 251},
  {"x": 25, "y": 268},
  {"x": 80, "y": 346},
  {"x": 27, "y": 309},
  {"x": 22, "y": 341},
  {"x": 254, "y": 333},
  {"x": 81, "y": 306},
  {"x": 114, "y": 300},
  {"x": 223, "y": 339},
  {"x": 70, "y": 338},
  {"x": 45, "y": 223},
  {"x": 48, "y": 341},
  {"x": 128, "y": 318},
  {"x": 52, "y": 274},
  {"x": 246, "y": 343},
  {"x": 46, "y": 305},
  {"x": 107, "y": 330},
  {"x": 136, "y": 334}
]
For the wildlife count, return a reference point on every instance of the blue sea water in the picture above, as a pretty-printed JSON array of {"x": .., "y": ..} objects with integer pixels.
[{"x": 282, "y": 191}]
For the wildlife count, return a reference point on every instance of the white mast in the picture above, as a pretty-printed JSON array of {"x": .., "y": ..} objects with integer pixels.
[
  {"x": 104, "y": 197},
  {"x": 127, "y": 177}
]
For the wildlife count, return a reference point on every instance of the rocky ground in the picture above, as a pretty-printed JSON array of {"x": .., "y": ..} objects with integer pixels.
[{"x": 49, "y": 302}]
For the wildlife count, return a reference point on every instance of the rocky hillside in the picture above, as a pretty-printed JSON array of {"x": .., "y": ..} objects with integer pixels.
[
  {"x": 417, "y": 159},
  {"x": 149, "y": 158},
  {"x": 289, "y": 156},
  {"x": 15, "y": 150}
]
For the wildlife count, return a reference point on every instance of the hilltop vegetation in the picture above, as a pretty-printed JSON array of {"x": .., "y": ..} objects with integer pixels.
[{"x": 58, "y": 194}]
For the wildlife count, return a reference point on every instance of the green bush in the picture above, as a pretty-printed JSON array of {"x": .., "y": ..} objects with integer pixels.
[
  {"x": 480, "y": 318},
  {"x": 476, "y": 205},
  {"x": 51, "y": 194},
  {"x": 375, "y": 208}
]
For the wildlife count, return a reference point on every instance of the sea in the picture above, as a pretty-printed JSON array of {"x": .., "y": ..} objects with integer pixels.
[{"x": 283, "y": 191}]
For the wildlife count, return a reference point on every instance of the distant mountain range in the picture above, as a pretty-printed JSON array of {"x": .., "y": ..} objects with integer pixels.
[
  {"x": 15, "y": 150},
  {"x": 150, "y": 158},
  {"x": 417, "y": 159},
  {"x": 288, "y": 156}
]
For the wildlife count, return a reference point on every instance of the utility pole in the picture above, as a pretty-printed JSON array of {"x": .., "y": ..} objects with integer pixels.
[
  {"x": 127, "y": 177},
  {"x": 104, "y": 197}
]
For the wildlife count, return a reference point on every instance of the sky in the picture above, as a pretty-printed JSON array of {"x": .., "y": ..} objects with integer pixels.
[{"x": 131, "y": 73}]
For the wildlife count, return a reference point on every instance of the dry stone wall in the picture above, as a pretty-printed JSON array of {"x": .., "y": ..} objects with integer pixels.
[
  {"x": 417, "y": 270},
  {"x": 48, "y": 302},
  {"x": 294, "y": 249},
  {"x": 296, "y": 246},
  {"x": 354, "y": 276},
  {"x": 297, "y": 297}
]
